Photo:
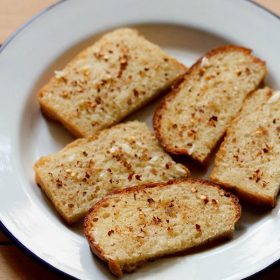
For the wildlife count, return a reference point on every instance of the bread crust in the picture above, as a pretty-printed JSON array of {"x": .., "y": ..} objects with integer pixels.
[
  {"x": 39, "y": 182},
  {"x": 54, "y": 116},
  {"x": 244, "y": 195},
  {"x": 114, "y": 266},
  {"x": 164, "y": 103}
]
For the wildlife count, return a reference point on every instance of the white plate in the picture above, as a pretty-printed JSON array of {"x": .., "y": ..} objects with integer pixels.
[{"x": 186, "y": 29}]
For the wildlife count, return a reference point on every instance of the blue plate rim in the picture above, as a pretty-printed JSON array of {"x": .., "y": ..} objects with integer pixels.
[{"x": 4, "y": 229}]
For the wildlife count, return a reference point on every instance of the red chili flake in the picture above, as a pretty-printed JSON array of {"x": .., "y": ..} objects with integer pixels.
[
  {"x": 58, "y": 183},
  {"x": 98, "y": 99},
  {"x": 135, "y": 92},
  {"x": 265, "y": 150},
  {"x": 110, "y": 232},
  {"x": 130, "y": 176},
  {"x": 213, "y": 118},
  {"x": 236, "y": 157},
  {"x": 197, "y": 226},
  {"x": 214, "y": 201},
  {"x": 156, "y": 220},
  {"x": 206, "y": 200}
]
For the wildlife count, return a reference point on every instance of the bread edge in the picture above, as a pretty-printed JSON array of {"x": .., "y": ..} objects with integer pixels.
[
  {"x": 114, "y": 266},
  {"x": 48, "y": 194},
  {"x": 244, "y": 195},
  {"x": 52, "y": 115}
]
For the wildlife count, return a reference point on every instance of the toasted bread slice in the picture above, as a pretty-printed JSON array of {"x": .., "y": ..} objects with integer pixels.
[
  {"x": 192, "y": 118},
  {"x": 132, "y": 226},
  {"x": 118, "y": 74},
  {"x": 249, "y": 158},
  {"x": 88, "y": 169}
]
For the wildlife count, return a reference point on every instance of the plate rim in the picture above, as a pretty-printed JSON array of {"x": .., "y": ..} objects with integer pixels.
[{"x": 5, "y": 229}]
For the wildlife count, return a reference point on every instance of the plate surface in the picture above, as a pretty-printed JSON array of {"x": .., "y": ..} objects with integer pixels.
[{"x": 185, "y": 29}]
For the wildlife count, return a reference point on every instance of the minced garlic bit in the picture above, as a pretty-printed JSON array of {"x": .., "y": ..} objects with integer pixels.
[
  {"x": 113, "y": 149},
  {"x": 205, "y": 62},
  {"x": 194, "y": 190},
  {"x": 204, "y": 198},
  {"x": 275, "y": 97},
  {"x": 59, "y": 74},
  {"x": 126, "y": 148},
  {"x": 85, "y": 68},
  {"x": 71, "y": 157},
  {"x": 154, "y": 159},
  {"x": 192, "y": 149},
  {"x": 180, "y": 169},
  {"x": 147, "y": 168}
]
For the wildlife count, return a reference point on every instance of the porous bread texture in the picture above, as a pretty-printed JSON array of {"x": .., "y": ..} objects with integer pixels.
[
  {"x": 249, "y": 158},
  {"x": 193, "y": 118},
  {"x": 118, "y": 74},
  {"x": 143, "y": 223},
  {"x": 87, "y": 169}
]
